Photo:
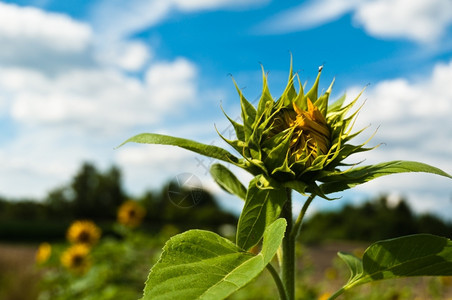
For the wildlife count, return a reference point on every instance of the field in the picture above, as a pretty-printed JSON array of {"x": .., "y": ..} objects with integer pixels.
[
  {"x": 18, "y": 275},
  {"x": 323, "y": 272}
]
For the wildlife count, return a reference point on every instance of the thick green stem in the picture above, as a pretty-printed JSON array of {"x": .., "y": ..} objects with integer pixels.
[
  {"x": 337, "y": 294},
  {"x": 279, "y": 284},
  {"x": 288, "y": 250}
]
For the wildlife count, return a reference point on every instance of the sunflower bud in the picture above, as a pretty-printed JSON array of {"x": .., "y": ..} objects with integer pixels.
[
  {"x": 299, "y": 142},
  {"x": 295, "y": 137}
]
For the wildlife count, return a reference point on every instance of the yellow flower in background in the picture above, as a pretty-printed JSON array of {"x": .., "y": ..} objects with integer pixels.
[
  {"x": 76, "y": 258},
  {"x": 131, "y": 214},
  {"x": 83, "y": 232},
  {"x": 324, "y": 296},
  {"x": 43, "y": 253}
]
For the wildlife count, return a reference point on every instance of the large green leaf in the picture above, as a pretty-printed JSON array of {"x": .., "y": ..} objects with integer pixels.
[
  {"x": 346, "y": 180},
  {"x": 227, "y": 180},
  {"x": 200, "y": 264},
  {"x": 414, "y": 255},
  {"x": 203, "y": 149},
  {"x": 263, "y": 205}
]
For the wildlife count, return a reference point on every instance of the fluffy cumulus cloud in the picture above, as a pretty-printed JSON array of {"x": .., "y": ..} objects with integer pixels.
[
  {"x": 102, "y": 99},
  {"x": 126, "y": 55},
  {"x": 27, "y": 26},
  {"x": 82, "y": 106},
  {"x": 418, "y": 20},
  {"x": 34, "y": 38},
  {"x": 414, "y": 124},
  {"x": 71, "y": 90}
]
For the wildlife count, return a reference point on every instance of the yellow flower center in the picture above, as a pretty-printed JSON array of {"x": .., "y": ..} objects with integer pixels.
[{"x": 310, "y": 133}]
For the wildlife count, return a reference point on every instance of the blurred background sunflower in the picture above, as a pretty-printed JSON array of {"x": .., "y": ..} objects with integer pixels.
[
  {"x": 76, "y": 258},
  {"x": 131, "y": 214},
  {"x": 83, "y": 232}
]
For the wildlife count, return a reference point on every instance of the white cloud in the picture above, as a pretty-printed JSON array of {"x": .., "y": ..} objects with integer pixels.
[
  {"x": 75, "y": 111},
  {"x": 308, "y": 15},
  {"x": 38, "y": 160},
  {"x": 29, "y": 25},
  {"x": 422, "y": 21},
  {"x": 424, "y": 103},
  {"x": 117, "y": 19},
  {"x": 152, "y": 166},
  {"x": 54, "y": 42},
  {"x": 80, "y": 116},
  {"x": 30, "y": 36},
  {"x": 419, "y": 20},
  {"x": 193, "y": 5},
  {"x": 127, "y": 55},
  {"x": 103, "y": 99},
  {"x": 171, "y": 82},
  {"x": 415, "y": 124}
]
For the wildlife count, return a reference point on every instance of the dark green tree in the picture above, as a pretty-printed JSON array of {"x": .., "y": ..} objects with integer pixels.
[{"x": 96, "y": 195}]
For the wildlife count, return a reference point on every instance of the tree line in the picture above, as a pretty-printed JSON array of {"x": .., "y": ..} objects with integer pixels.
[
  {"x": 371, "y": 221},
  {"x": 96, "y": 195}
]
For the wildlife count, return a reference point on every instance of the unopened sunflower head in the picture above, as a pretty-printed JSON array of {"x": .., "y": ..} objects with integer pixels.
[
  {"x": 83, "y": 232},
  {"x": 298, "y": 137}
]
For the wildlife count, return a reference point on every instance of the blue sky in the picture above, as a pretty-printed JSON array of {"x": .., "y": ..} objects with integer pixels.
[{"x": 79, "y": 77}]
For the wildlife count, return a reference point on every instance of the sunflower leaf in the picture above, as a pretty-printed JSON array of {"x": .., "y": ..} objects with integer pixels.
[
  {"x": 263, "y": 205},
  {"x": 414, "y": 255},
  {"x": 227, "y": 180},
  {"x": 200, "y": 264},
  {"x": 203, "y": 149},
  {"x": 354, "y": 264},
  {"x": 346, "y": 180}
]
